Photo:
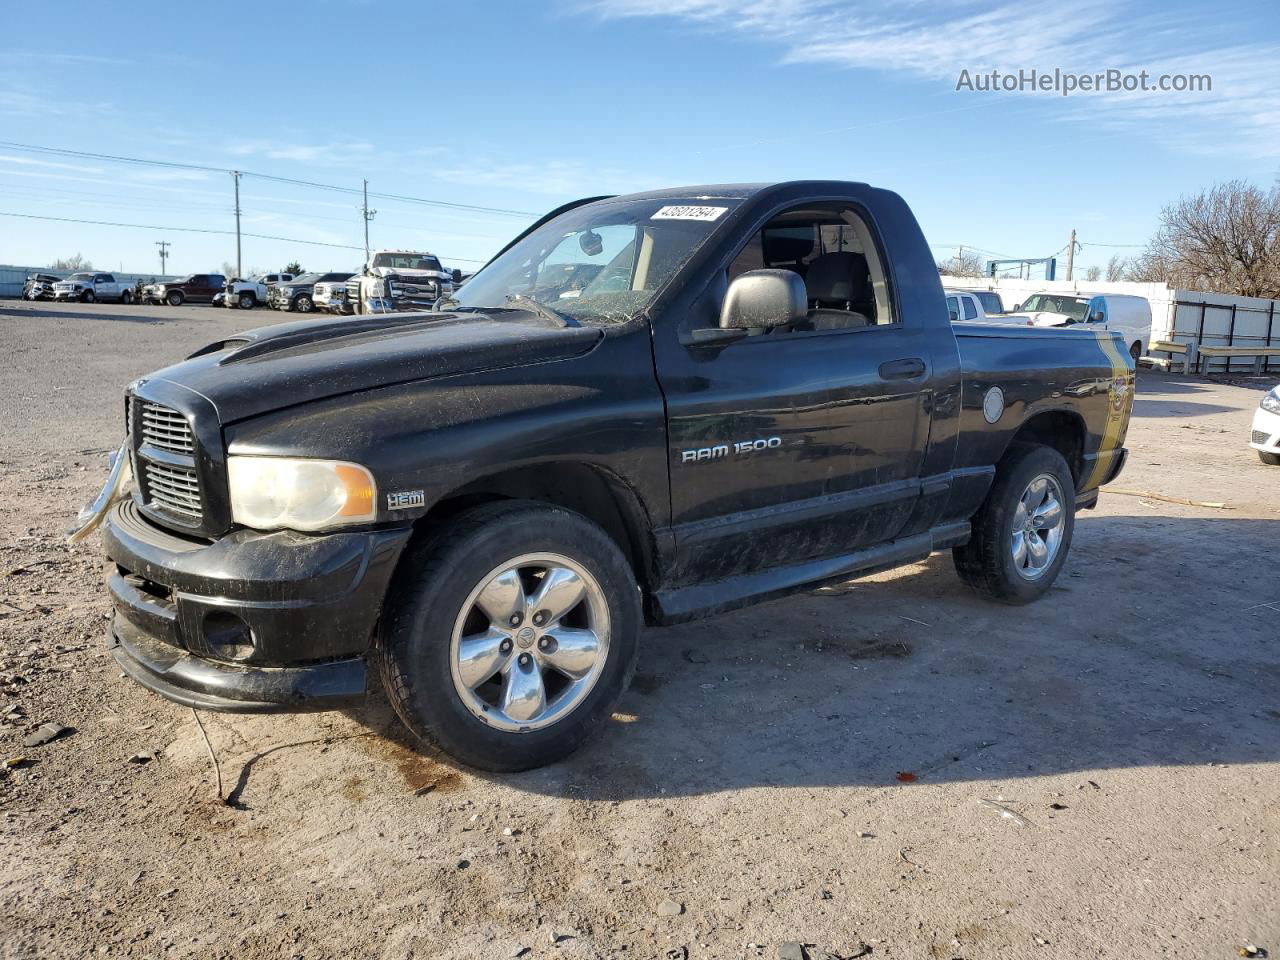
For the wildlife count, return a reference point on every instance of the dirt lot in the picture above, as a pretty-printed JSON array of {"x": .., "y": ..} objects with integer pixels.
[{"x": 754, "y": 775}]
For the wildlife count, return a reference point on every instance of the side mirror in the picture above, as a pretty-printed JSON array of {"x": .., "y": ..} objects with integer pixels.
[
  {"x": 457, "y": 275},
  {"x": 953, "y": 316},
  {"x": 1096, "y": 317},
  {"x": 760, "y": 299},
  {"x": 1015, "y": 308}
]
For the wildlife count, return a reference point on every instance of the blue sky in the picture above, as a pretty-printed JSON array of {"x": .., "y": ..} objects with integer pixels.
[{"x": 522, "y": 106}]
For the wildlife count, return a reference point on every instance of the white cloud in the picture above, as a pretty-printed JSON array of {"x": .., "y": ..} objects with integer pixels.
[
  {"x": 331, "y": 153},
  {"x": 934, "y": 41},
  {"x": 552, "y": 177},
  {"x": 48, "y": 164}
]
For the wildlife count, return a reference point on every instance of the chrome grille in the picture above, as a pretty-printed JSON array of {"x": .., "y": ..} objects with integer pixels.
[
  {"x": 166, "y": 429},
  {"x": 1260, "y": 436},
  {"x": 174, "y": 489}
]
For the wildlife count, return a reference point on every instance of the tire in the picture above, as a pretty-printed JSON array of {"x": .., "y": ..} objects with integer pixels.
[
  {"x": 988, "y": 562},
  {"x": 303, "y": 304},
  {"x": 246, "y": 300},
  {"x": 127, "y": 297},
  {"x": 434, "y": 602},
  {"x": 1135, "y": 351},
  {"x": 174, "y": 298},
  {"x": 88, "y": 297},
  {"x": 1270, "y": 459}
]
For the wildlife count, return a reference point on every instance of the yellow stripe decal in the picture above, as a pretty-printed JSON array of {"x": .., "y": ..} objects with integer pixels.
[{"x": 1119, "y": 406}]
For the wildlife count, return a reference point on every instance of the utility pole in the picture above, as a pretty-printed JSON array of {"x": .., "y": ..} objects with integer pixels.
[
  {"x": 164, "y": 252},
  {"x": 368, "y": 215},
  {"x": 235, "y": 175},
  {"x": 1071, "y": 253}
]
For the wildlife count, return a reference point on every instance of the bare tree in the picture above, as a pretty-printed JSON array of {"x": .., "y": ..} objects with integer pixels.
[
  {"x": 963, "y": 264},
  {"x": 1093, "y": 274},
  {"x": 1223, "y": 240},
  {"x": 71, "y": 263},
  {"x": 1117, "y": 267}
]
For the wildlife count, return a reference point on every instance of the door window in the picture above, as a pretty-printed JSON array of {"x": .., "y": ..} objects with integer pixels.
[
  {"x": 834, "y": 251},
  {"x": 970, "y": 311}
]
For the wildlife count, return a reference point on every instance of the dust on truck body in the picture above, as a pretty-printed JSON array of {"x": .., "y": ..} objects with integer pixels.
[{"x": 644, "y": 409}]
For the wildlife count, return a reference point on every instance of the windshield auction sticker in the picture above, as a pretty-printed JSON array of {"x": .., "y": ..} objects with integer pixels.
[{"x": 689, "y": 213}]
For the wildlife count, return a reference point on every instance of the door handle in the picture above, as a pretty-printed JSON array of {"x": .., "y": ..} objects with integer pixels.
[{"x": 907, "y": 369}]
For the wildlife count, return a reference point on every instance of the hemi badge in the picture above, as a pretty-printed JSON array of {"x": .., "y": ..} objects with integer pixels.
[{"x": 406, "y": 499}]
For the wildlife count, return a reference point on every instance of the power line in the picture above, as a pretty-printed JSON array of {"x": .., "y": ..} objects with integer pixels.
[
  {"x": 256, "y": 236},
  {"x": 173, "y": 164}
]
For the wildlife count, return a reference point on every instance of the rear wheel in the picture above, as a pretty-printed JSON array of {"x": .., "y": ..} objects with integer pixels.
[
  {"x": 174, "y": 298},
  {"x": 1023, "y": 530},
  {"x": 510, "y": 635},
  {"x": 1270, "y": 459},
  {"x": 127, "y": 297},
  {"x": 247, "y": 301}
]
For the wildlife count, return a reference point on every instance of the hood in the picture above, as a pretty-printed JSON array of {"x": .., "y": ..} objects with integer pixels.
[
  {"x": 398, "y": 272},
  {"x": 279, "y": 366}
]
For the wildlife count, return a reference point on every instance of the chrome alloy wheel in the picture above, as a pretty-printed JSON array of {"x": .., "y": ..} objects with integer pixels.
[
  {"x": 530, "y": 642},
  {"x": 1038, "y": 524}
]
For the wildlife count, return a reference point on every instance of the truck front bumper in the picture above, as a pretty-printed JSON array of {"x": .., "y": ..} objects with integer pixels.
[{"x": 252, "y": 622}]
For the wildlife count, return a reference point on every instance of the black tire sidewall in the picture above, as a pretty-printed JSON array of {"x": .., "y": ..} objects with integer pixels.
[
  {"x": 298, "y": 304},
  {"x": 246, "y": 301},
  {"x": 995, "y": 525},
  {"x": 417, "y": 633},
  {"x": 174, "y": 299}
]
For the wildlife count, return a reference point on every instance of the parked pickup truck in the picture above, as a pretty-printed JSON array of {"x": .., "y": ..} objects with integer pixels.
[
  {"x": 299, "y": 293},
  {"x": 247, "y": 294},
  {"x": 964, "y": 305},
  {"x": 644, "y": 409},
  {"x": 39, "y": 286},
  {"x": 194, "y": 288},
  {"x": 399, "y": 281},
  {"x": 88, "y": 287}
]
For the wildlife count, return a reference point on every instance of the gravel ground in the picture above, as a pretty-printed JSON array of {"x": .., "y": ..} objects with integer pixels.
[{"x": 832, "y": 769}]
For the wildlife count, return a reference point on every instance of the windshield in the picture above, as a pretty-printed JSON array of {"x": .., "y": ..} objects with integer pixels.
[
  {"x": 1073, "y": 307},
  {"x": 600, "y": 263},
  {"x": 82, "y": 277},
  {"x": 406, "y": 261}
]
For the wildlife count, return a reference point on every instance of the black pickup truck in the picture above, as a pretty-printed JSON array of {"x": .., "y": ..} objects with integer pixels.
[{"x": 644, "y": 409}]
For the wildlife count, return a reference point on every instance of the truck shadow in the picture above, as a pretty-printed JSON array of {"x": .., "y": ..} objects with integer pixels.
[
  {"x": 114, "y": 313},
  {"x": 1155, "y": 647}
]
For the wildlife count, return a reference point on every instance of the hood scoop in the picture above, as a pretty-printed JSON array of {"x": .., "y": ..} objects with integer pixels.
[{"x": 259, "y": 343}]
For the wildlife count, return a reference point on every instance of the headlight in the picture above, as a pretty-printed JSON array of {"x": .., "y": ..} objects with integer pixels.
[
  {"x": 1271, "y": 402},
  {"x": 272, "y": 493}
]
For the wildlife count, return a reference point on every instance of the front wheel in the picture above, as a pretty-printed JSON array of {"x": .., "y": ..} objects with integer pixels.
[
  {"x": 247, "y": 301},
  {"x": 510, "y": 636},
  {"x": 304, "y": 304},
  {"x": 174, "y": 298},
  {"x": 87, "y": 297},
  {"x": 1270, "y": 459},
  {"x": 1022, "y": 532},
  {"x": 1135, "y": 351}
]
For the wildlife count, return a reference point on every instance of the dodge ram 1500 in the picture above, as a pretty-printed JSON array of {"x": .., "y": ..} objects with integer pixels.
[{"x": 644, "y": 409}]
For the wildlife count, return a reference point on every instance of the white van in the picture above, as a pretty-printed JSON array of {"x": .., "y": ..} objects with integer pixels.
[{"x": 1111, "y": 311}]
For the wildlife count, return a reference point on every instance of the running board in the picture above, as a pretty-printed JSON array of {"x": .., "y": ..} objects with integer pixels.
[{"x": 705, "y": 599}]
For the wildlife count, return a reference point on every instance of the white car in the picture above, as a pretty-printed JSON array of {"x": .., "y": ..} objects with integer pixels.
[
  {"x": 1129, "y": 315},
  {"x": 90, "y": 287},
  {"x": 1265, "y": 437}
]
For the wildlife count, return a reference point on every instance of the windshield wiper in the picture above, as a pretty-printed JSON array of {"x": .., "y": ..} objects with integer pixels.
[{"x": 541, "y": 309}]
